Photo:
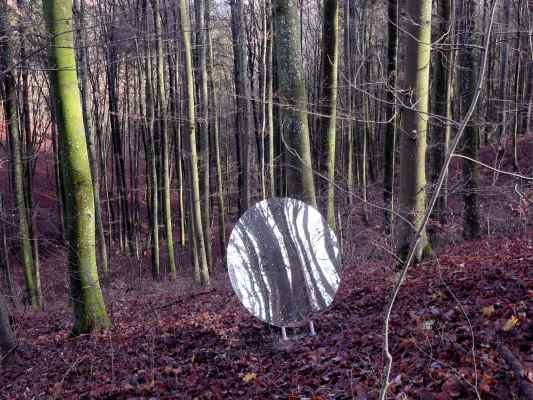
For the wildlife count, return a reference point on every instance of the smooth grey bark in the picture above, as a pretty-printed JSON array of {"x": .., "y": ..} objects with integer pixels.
[
  {"x": 202, "y": 16},
  {"x": 294, "y": 128}
]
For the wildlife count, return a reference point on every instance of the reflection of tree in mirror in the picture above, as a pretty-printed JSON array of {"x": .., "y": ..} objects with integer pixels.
[{"x": 283, "y": 261}]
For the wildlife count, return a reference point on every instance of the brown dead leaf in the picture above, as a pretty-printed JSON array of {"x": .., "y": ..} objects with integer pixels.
[
  {"x": 249, "y": 376},
  {"x": 488, "y": 311},
  {"x": 511, "y": 323}
]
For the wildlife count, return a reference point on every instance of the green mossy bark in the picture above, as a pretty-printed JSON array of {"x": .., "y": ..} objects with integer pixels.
[
  {"x": 191, "y": 127},
  {"x": 413, "y": 140},
  {"x": 87, "y": 299}
]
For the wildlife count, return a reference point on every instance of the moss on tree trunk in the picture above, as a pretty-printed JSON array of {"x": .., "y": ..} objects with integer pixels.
[
  {"x": 88, "y": 302},
  {"x": 413, "y": 139}
]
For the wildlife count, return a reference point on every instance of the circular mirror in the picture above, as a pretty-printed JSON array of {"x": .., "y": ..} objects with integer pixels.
[{"x": 283, "y": 261}]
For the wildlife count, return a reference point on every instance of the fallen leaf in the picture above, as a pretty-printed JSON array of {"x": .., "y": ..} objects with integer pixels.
[
  {"x": 488, "y": 311},
  {"x": 249, "y": 376},
  {"x": 511, "y": 323}
]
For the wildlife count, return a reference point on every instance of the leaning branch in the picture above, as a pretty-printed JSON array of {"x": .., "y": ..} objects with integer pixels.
[{"x": 444, "y": 171}]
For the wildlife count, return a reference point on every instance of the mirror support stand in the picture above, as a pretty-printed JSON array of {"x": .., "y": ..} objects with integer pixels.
[
  {"x": 284, "y": 333},
  {"x": 312, "y": 331}
]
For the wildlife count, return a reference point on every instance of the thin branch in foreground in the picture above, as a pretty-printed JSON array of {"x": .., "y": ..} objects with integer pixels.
[{"x": 416, "y": 240}]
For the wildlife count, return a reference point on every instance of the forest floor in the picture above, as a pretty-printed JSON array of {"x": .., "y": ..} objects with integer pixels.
[{"x": 172, "y": 340}]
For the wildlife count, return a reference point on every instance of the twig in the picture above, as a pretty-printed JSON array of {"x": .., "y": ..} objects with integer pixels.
[
  {"x": 182, "y": 299},
  {"x": 71, "y": 368},
  {"x": 472, "y": 336},
  {"x": 8, "y": 353},
  {"x": 443, "y": 173},
  {"x": 500, "y": 171}
]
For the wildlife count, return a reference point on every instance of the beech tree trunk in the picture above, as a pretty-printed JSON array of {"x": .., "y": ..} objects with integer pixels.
[
  {"x": 294, "y": 128},
  {"x": 9, "y": 88},
  {"x": 390, "y": 107},
  {"x": 441, "y": 131},
  {"x": 163, "y": 130},
  {"x": 415, "y": 126},
  {"x": 329, "y": 82},
  {"x": 83, "y": 71},
  {"x": 88, "y": 302},
  {"x": 244, "y": 123},
  {"x": 202, "y": 15},
  {"x": 215, "y": 133},
  {"x": 151, "y": 160},
  {"x": 198, "y": 230},
  {"x": 467, "y": 88}
]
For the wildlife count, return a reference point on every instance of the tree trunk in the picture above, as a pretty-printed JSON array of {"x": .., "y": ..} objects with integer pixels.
[
  {"x": 270, "y": 106},
  {"x": 242, "y": 94},
  {"x": 516, "y": 89},
  {"x": 504, "y": 62},
  {"x": 471, "y": 225},
  {"x": 191, "y": 127},
  {"x": 348, "y": 11},
  {"x": 163, "y": 117},
  {"x": 441, "y": 131},
  {"x": 293, "y": 97},
  {"x": 83, "y": 72},
  {"x": 19, "y": 183},
  {"x": 202, "y": 16},
  {"x": 151, "y": 160},
  {"x": 4, "y": 251},
  {"x": 328, "y": 98},
  {"x": 215, "y": 133},
  {"x": 7, "y": 337},
  {"x": 112, "y": 70},
  {"x": 414, "y": 132},
  {"x": 87, "y": 299},
  {"x": 390, "y": 111}
]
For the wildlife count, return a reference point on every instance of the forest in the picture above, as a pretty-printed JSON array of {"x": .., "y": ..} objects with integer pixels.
[{"x": 135, "y": 135}]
